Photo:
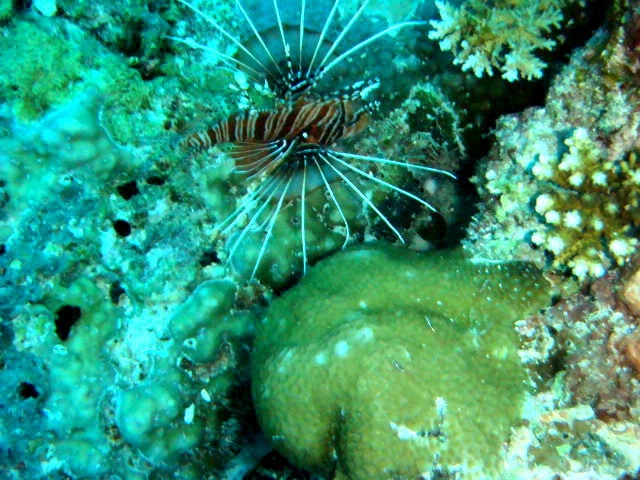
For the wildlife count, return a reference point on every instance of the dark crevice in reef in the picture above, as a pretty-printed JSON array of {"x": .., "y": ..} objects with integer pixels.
[
  {"x": 128, "y": 190},
  {"x": 209, "y": 257},
  {"x": 66, "y": 317},
  {"x": 27, "y": 390},
  {"x": 122, "y": 228},
  {"x": 115, "y": 292}
]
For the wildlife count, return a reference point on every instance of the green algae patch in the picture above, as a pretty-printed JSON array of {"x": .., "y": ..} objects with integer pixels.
[
  {"x": 57, "y": 61},
  {"x": 383, "y": 363}
]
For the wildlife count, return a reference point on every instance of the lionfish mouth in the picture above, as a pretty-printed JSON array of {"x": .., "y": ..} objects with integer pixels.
[{"x": 288, "y": 152}]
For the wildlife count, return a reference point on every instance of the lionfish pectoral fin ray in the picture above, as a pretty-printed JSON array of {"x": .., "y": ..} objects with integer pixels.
[
  {"x": 249, "y": 202},
  {"x": 335, "y": 202},
  {"x": 237, "y": 42},
  {"x": 269, "y": 231},
  {"x": 239, "y": 149},
  {"x": 363, "y": 197},
  {"x": 336, "y": 156},
  {"x": 281, "y": 154},
  {"x": 254, "y": 217},
  {"x": 324, "y": 69},
  {"x": 303, "y": 212},
  {"x": 253, "y": 159},
  {"x": 387, "y": 161}
]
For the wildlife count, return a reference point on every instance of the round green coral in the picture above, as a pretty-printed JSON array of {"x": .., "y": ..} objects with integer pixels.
[{"x": 383, "y": 363}]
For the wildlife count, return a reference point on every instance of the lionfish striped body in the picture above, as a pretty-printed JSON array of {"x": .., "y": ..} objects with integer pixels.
[
  {"x": 311, "y": 121},
  {"x": 280, "y": 150}
]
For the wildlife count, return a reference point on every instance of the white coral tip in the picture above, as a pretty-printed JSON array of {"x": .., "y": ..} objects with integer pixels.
[{"x": 543, "y": 203}]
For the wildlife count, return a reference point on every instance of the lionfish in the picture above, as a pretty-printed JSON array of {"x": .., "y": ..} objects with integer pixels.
[{"x": 290, "y": 150}]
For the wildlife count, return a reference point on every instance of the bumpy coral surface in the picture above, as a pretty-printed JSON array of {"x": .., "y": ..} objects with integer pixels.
[
  {"x": 386, "y": 363},
  {"x": 114, "y": 361},
  {"x": 582, "y": 355},
  {"x": 564, "y": 179},
  {"x": 124, "y": 342},
  {"x": 590, "y": 201}
]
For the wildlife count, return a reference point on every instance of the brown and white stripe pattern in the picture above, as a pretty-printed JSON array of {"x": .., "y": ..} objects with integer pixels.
[
  {"x": 289, "y": 151},
  {"x": 315, "y": 122}
]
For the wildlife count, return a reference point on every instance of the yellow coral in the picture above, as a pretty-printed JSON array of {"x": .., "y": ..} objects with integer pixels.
[{"x": 589, "y": 206}]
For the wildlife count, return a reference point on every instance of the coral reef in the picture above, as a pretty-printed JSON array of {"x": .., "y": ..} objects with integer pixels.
[
  {"x": 584, "y": 418},
  {"x": 499, "y": 35},
  {"x": 565, "y": 177},
  {"x": 270, "y": 244},
  {"x": 573, "y": 443},
  {"x": 58, "y": 61},
  {"x": 169, "y": 409},
  {"x": 132, "y": 410},
  {"x": 427, "y": 126},
  {"x": 592, "y": 201},
  {"x": 125, "y": 340},
  {"x": 389, "y": 375},
  {"x": 135, "y": 28},
  {"x": 560, "y": 187},
  {"x": 325, "y": 233},
  {"x": 96, "y": 317}
]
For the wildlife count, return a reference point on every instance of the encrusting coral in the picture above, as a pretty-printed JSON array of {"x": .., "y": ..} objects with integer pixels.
[
  {"x": 383, "y": 363},
  {"x": 582, "y": 354},
  {"x": 124, "y": 344},
  {"x": 130, "y": 371},
  {"x": 114, "y": 407}
]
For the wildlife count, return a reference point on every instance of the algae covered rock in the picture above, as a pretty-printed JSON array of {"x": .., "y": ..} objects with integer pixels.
[{"x": 385, "y": 364}]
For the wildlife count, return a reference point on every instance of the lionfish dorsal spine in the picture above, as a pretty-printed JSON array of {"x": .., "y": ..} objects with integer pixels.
[{"x": 288, "y": 151}]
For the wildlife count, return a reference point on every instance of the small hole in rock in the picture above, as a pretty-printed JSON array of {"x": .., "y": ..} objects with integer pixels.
[
  {"x": 156, "y": 180},
  {"x": 66, "y": 317},
  {"x": 115, "y": 291},
  {"x": 28, "y": 390},
  {"x": 128, "y": 190},
  {"x": 209, "y": 257},
  {"x": 122, "y": 228}
]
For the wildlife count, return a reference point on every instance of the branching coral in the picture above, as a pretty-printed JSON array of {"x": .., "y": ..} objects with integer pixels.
[
  {"x": 589, "y": 204},
  {"x": 499, "y": 35},
  {"x": 565, "y": 177}
]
